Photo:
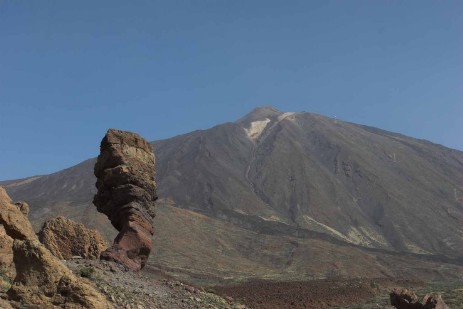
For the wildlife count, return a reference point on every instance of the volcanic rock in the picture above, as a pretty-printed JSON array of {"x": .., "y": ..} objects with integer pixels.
[
  {"x": 66, "y": 238},
  {"x": 434, "y": 301},
  {"x": 126, "y": 194},
  {"x": 38, "y": 279},
  {"x": 406, "y": 299}
]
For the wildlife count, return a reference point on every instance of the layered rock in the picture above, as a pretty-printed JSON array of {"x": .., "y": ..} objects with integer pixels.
[
  {"x": 38, "y": 279},
  {"x": 126, "y": 194},
  {"x": 406, "y": 299},
  {"x": 7, "y": 271},
  {"x": 66, "y": 239}
]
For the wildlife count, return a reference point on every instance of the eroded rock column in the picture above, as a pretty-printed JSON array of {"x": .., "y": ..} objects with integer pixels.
[{"x": 125, "y": 173}]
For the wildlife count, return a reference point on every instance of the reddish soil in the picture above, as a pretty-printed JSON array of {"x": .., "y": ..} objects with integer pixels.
[{"x": 315, "y": 294}]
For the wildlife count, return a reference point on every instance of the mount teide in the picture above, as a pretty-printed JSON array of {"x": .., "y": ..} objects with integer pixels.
[{"x": 294, "y": 182}]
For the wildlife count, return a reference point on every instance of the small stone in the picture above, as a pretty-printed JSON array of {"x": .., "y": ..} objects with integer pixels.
[
  {"x": 190, "y": 289},
  {"x": 229, "y": 299}
]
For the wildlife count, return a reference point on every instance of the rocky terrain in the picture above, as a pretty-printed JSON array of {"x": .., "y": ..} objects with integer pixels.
[
  {"x": 246, "y": 233},
  {"x": 31, "y": 276},
  {"x": 127, "y": 289},
  {"x": 260, "y": 194}
]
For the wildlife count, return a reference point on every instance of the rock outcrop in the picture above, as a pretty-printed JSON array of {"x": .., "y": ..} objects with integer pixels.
[
  {"x": 23, "y": 207},
  {"x": 406, "y": 299},
  {"x": 7, "y": 271},
  {"x": 126, "y": 194},
  {"x": 37, "y": 278},
  {"x": 434, "y": 301},
  {"x": 66, "y": 239}
]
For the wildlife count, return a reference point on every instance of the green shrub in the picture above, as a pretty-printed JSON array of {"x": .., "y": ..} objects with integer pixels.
[
  {"x": 5, "y": 281},
  {"x": 87, "y": 272}
]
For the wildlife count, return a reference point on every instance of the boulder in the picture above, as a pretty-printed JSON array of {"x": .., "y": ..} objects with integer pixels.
[
  {"x": 434, "y": 301},
  {"x": 39, "y": 278},
  {"x": 66, "y": 238},
  {"x": 406, "y": 299},
  {"x": 125, "y": 173}
]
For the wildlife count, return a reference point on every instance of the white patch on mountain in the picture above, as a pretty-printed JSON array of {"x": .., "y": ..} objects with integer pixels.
[
  {"x": 285, "y": 115},
  {"x": 256, "y": 128}
]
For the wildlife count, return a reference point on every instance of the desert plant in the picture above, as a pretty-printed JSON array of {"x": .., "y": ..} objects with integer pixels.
[
  {"x": 5, "y": 280},
  {"x": 87, "y": 272}
]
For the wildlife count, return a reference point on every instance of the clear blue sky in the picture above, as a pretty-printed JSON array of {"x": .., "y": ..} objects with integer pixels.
[{"x": 71, "y": 69}]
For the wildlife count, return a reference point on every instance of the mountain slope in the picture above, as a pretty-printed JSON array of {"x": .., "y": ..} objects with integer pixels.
[
  {"x": 292, "y": 175},
  {"x": 355, "y": 183},
  {"x": 195, "y": 247}
]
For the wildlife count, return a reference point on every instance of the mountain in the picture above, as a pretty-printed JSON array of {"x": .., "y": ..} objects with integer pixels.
[
  {"x": 300, "y": 172},
  {"x": 264, "y": 191}
]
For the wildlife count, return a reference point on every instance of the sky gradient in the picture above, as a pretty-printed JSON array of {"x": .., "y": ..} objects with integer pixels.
[{"x": 69, "y": 70}]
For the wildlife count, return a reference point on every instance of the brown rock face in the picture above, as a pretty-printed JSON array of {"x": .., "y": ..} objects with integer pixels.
[
  {"x": 434, "y": 301},
  {"x": 406, "y": 299},
  {"x": 8, "y": 272},
  {"x": 126, "y": 194},
  {"x": 37, "y": 278},
  {"x": 66, "y": 238},
  {"x": 23, "y": 207}
]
